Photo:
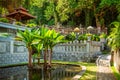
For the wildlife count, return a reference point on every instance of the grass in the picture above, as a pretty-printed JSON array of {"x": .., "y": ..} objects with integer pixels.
[
  {"x": 91, "y": 69},
  {"x": 115, "y": 72}
]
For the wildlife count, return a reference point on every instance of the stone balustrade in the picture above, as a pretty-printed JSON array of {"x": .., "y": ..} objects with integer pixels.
[{"x": 76, "y": 51}]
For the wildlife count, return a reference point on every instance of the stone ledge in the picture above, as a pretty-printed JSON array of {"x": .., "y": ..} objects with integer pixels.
[{"x": 77, "y": 77}]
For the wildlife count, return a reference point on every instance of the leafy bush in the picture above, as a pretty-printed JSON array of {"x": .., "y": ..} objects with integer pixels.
[
  {"x": 71, "y": 23},
  {"x": 19, "y": 23},
  {"x": 31, "y": 25},
  {"x": 51, "y": 22},
  {"x": 95, "y": 38},
  {"x": 71, "y": 36},
  {"x": 103, "y": 35},
  {"x": 88, "y": 34},
  {"x": 4, "y": 20},
  {"x": 82, "y": 37}
]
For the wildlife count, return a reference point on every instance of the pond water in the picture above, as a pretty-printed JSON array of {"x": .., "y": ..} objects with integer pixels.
[{"x": 58, "y": 72}]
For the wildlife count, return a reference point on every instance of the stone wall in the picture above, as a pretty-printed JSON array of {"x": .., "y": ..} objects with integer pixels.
[{"x": 12, "y": 52}]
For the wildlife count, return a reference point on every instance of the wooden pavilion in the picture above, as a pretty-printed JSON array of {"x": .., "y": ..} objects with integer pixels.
[{"x": 20, "y": 14}]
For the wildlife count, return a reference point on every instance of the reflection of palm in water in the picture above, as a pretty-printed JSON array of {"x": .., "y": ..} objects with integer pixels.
[
  {"x": 60, "y": 73},
  {"x": 57, "y": 72}
]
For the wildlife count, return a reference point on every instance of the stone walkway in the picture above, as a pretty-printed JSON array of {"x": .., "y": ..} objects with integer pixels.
[{"x": 104, "y": 71}]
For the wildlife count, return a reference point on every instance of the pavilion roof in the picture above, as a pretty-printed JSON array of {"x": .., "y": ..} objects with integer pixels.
[{"x": 20, "y": 14}]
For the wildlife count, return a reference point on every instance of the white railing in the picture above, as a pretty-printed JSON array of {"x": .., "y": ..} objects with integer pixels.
[{"x": 78, "y": 50}]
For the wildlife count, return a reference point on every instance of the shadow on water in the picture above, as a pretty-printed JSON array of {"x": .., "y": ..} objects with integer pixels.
[{"x": 58, "y": 72}]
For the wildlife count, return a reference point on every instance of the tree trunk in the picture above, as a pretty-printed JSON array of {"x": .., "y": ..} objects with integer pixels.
[
  {"x": 50, "y": 58},
  {"x": 30, "y": 57},
  {"x": 38, "y": 60},
  {"x": 118, "y": 59},
  {"x": 97, "y": 21},
  {"x": 112, "y": 57},
  {"x": 87, "y": 17},
  {"x": 45, "y": 59},
  {"x": 98, "y": 25}
]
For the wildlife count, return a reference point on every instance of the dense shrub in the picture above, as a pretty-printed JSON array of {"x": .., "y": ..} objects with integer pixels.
[
  {"x": 31, "y": 25},
  {"x": 103, "y": 35},
  {"x": 4, "y": 20},
  {"x": 82, "y": 37},
  {"x": 71, "y": 36},
  {"x": 19, "y": 23},
  {"x": 95, "y": 37}
]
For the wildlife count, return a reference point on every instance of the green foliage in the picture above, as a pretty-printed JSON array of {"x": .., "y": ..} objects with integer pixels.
[
  {"x": 64, "y": 11},
  {"x": 64, "y": 8},
  {"x": 71, "y": 23},
  {"x": 108, "y": 2},
  {"x": 51, "y": 22},
  {"x": 27, "y": 37},
  {"x": 115, "y": 72},
  {"x": 82, "y": 37},
  {"x": 114, "y": 37},
  {"x": 39, "y": 3},
  {"x": 95, "y": 37},
  {"x": 103, "y": 35},
  {"x": 71, "y": 36},
  {"x": 31, "y": 25},
  {"x": 49, "y": 12},
  {"x": 19, "y": 23},
  {"x": 4, "y": 20},
  {"x": 5, "y": 34}
]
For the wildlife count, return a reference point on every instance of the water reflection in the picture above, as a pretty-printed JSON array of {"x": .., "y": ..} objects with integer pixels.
[{"x": 58, "y": 72}]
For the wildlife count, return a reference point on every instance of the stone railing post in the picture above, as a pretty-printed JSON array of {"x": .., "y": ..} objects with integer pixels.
[{"x": 11, "y": 46}]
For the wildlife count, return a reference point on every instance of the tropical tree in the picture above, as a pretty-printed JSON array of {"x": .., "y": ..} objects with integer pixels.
[
  {"x": 114, "y": 37},
  {"x": 41, "y": 37},
  {"x": 54, "y": 39},
  {"x": 38, "y": 47},
  {"x": 27, "y": 37},
  {"x": 114, "y": 43},
  {"x": 48, "y": 39}
]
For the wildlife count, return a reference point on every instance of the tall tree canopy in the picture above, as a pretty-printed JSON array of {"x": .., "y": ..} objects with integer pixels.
[{"x": 99, "y": 13}]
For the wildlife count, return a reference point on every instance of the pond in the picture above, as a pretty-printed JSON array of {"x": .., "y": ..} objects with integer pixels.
[{"x": 58, "y": 72}]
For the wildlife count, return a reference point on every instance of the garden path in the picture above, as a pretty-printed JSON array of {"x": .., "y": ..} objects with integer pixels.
[{"x": 104, "y": 72}]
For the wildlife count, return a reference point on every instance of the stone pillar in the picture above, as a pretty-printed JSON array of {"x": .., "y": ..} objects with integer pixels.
[
  {"x": 11, "y": 46},
  {"x": 102, "y": 40},
  {"x": 88, "y": 47}
]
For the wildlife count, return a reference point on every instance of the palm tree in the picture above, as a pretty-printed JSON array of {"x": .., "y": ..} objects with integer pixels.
[{"x": 27, "y": 37}]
